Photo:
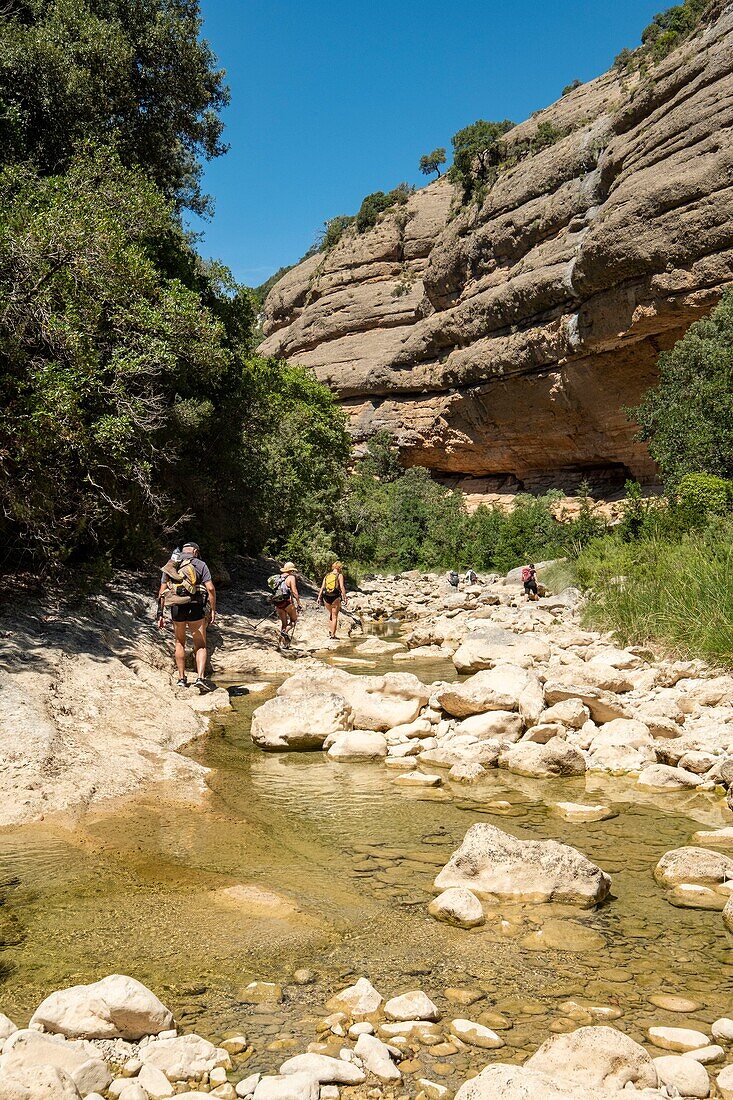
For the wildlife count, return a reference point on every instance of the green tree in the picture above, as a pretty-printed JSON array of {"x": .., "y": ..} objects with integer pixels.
[
  {"x": 431, "y": 162},
  {"x": 687, "y": 419},
  {"x": 478, "y": 150},
  {"x": 133, "y": 73},
  {"x": 95, "y": 349}
]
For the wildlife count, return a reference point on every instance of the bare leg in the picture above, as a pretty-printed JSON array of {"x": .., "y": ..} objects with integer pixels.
[
  {"x": 180, "y": 630},
  {"x": 333, "y": 614},
  {"x": 198, "y": 633}
]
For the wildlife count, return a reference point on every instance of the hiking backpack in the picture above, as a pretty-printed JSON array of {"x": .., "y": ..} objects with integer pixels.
[
  {"x": 331, "y": 583},
  {"x": 526, "y": 574},
  {"x": 278, "y": 585},
  {"x": 453, "y": 577},
  {"x": 182, "y": 583}
]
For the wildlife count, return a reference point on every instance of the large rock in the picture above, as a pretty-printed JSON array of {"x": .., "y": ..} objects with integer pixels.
[
  {"x": 377, "y": 702},
  {"x": 300, "y": 722},
  {"x": 503, "y": 1082},
  {"x": 358, "y": 745},
  {"x": 115, "y": 1007},
  {"x": 492, "y": 864},
  {"x": 595, "y": 1058},
  {"x": 700, "y": 866},
  {"x": 604, "y": 706},
  {"x": 459, "y": 907},
  {"x": 686, "y": 1075},
  {"x": 414, "y": 1005},
  {"x": 555, "y": 758},
  {"x": 376, "y": 1057},
  {"x": 184, "y": 1057},
  {"x": 293, "y": 1086},
  {"x": 325, "y": 1070},
  {"x": 41, "y": 1083},
  {"x": 29, "y": 1050},
  {"x": 501, "y": 724},
  {"x": 358, "y": 1000},
  {"x": 499, "y": 688},
  {"x": 555, "y": 294}
]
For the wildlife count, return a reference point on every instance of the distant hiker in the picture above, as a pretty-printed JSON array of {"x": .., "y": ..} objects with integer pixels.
[
  {"x": 529, "y": 580},
  {"x": 453, "y": 579},
  {"x": 286, "y": 599},
  {"x": 187, "y": 589},
  {"x": 471, "y": 577},
  {"x": 332, "y": 593}
]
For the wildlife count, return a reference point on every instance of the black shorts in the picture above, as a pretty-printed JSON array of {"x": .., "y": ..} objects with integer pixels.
[
  {"x": 331, "y": 597},
  {"x": 530, "y": 586},
  {"x": 187, "y": 612}
]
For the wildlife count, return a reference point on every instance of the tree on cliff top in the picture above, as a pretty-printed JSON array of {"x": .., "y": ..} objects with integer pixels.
[
  {"x": 687, "y": 418},
  {"x": 477, "y": 153},
  {"x": 431, "y": 162},
  {"x": 130, "y": 73}
]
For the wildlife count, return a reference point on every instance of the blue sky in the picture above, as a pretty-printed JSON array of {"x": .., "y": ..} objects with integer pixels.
[{"x": 333, "y": 99}]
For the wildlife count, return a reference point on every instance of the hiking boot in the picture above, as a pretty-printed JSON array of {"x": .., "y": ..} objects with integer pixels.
[
  {"x": 182, "y": 683},
  {"x": 201, "y": 684}
]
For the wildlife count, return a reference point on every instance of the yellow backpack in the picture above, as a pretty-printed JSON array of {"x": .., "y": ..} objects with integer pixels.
[{"x": 331, "y": 583}]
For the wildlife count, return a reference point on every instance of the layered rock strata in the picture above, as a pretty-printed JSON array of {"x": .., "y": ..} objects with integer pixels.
[{"x": 505, "y": 339}]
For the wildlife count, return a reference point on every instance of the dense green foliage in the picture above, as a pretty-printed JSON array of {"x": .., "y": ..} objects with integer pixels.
[
  {"x": 379, "y": 201},
  {"x": 478, "y": 150},
  {"x": 688, "y": 417},
  {"x": 669, "y": 585},
  {"x": 131, "y": 406},
  {"x": 133, "y": 74},
  {"x": 431, "y": 162},
  {"x": 664, "y": 34},
  {"x": 390, "y": 518}
]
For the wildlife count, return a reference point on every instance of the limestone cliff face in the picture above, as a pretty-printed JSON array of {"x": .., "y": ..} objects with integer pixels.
[{"x": 505, "y": 339}]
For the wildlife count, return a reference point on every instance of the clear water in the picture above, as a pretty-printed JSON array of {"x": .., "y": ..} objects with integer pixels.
[{"x": 140, "y": 891}]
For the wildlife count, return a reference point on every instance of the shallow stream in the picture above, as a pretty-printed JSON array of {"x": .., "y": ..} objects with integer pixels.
[{"x": 344, "y": 861}]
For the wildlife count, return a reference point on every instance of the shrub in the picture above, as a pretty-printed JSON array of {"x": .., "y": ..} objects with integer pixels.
[
  {"x": 700, "y": 496},
  {"x": 687, "y": 418},
  {"x": 379, "y": 201},
  {"x": 478, "y": 150},
  {"x": 571, "y": 86}
]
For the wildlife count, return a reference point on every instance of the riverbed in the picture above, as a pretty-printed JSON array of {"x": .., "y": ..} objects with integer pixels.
[{"x": 296, "y": 861}]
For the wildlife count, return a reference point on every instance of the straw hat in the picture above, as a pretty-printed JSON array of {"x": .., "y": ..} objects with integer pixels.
[{"x": 289, "y": 567}]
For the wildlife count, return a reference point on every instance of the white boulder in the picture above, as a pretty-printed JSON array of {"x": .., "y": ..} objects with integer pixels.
[
  {"x": 686, "y": 1075},
  {"x": 358, "y": 745},
  {"x": 414, "y": 1005},
  {"x": 115, "y": 1007},
  {"x": 358, "y": 1000},
  {"x": 494, "y": 864},
  {"x": 300, "y": 722},
  {"x": 457, "y": 906},
  {"x": 555, "y": 758},
  {"x": 325, "y": 1070},
  {"x": 184, "y": 1057},
  {"x": 376, "y": 1058},
  {"x": 40, "y": 1083}
]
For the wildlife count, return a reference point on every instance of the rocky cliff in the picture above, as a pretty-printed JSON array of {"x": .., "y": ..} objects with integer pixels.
[{"x": 503, "y": 340}]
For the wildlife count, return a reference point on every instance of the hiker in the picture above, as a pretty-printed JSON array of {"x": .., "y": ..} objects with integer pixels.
[
  {"x": 529, "y": 580},
  {"x": 453, "y": 579},
  {"x": 471, "y": 576},
  {"x": 286, "y": 599},
  {"x": 187, "y": 589},
  {"x": 332, "y": 593}
]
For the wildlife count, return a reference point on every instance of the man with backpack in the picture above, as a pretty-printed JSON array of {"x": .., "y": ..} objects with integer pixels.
[
  {"x": 286, "y": 598},
  {"x": 332, "y": 593},
  {"x": 529, "y": 580},
  {"x": 187, "y": 589},
  {"x": 471, "y": 577},
  {"x": 453, "y": 579}
]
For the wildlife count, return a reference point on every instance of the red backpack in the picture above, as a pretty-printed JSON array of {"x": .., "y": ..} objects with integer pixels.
[{"x": 526, "y": 574}]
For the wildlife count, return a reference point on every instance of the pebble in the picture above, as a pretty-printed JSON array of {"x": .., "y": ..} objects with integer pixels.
[{"x": 671, "y": 1002}]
